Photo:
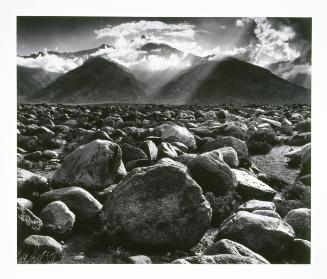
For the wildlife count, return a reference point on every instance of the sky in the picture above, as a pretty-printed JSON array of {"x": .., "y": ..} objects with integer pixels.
[{"x": 261, "y": 41}]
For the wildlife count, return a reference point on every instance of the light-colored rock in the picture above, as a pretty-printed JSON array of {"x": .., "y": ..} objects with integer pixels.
[
  {"x": 25, "y": 203},
  {"x": 268, "y": 213},
  {"x": 95, "y": 165},
  {"x": 229, "y": 156},
  {"x": 173, "y": 132},
  {"x": 58, "y": 220},
  {"x": 45, "y": 247},
  {"x": 150, "y": 149},
  {"x": 267, "y": 236},
  {"x": 218, "y": 259},
  {"x": 226, "y": 246},
  {"x": 250, "y": 187},
  {"x": 253, "y": 205},
  {"x": 78, "y": 200},
  {"x": 296, "y": 155},
  {"x": 139, "y": 259}
]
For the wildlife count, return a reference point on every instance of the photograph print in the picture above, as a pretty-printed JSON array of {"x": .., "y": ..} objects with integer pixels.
[{"x": 166, "y": 140}]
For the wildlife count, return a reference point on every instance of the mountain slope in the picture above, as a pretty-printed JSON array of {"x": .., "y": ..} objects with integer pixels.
[
  {"x": 96, "y": 81},
  {"x": 231, "y": 81},
  {"x": 31, "y": 80}
]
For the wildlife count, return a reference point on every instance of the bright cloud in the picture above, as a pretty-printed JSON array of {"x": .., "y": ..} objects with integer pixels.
[
  {"x": 149, "y": 27},
  {"x": 269, "y": 44},
  {"x": 51, "y": 63},
  {"x": 273, "y": 44}
]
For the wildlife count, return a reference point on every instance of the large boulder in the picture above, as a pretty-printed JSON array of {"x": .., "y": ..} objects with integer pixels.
[
  {"x": 157, "y": 207},
  {"x": 218, "y": 259},
  {"x": 173, "y": 132},
  {"x": 226, "y": 246},
  {"x": 267, "y": 236},
  {"x": 43, "y": 247},
  {"x": 95, "y": 165},
  {"x": 29, "y": 183},
  {"x": 300, "y": 221},
  {"x": 58, "y": 220},
  {"x": 79, "y": 201},
  {"x": 212, "y": 173},
  {"x": 249, "y": 187}
]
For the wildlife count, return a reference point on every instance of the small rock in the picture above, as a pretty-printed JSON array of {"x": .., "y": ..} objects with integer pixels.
[
  {"x": 57, "y": 219},
  {"x": 300, "y": 221},
  {"x": 140, "y": 259},
  {"x": 250, "y": 187},
  {"x": 44, "y": 247},
  {"x": 253, "y": 205}
]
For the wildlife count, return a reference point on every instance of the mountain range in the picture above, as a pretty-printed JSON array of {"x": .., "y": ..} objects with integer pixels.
[
  {"x": 96, "y": 81},
  {"x": 231, "y": 81},
  {"x": 31, "y": 80},
  {"x": 102, "y": 80}
]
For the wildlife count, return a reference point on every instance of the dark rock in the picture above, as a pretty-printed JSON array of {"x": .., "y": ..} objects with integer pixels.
[
  {"x": 212, "y": 173},
  {"x": 301, "y": 251},
  {"x": 138, "y": 163},
  {"x": 300, "y": 221},
  {"x": 158, "y": 207},
  {"x": 262, "y": 141},
  {"x": 131, "y": 153}
]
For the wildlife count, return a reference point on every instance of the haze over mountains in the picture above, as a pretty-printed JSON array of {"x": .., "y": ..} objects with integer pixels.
[{"x": 99, "y": 78}]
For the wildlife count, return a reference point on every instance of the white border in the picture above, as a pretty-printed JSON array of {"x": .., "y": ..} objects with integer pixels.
[{"x": 179, "y": 8}]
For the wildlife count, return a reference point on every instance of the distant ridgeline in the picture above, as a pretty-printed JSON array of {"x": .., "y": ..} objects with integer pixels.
[{"x": 99, "y": 80}]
